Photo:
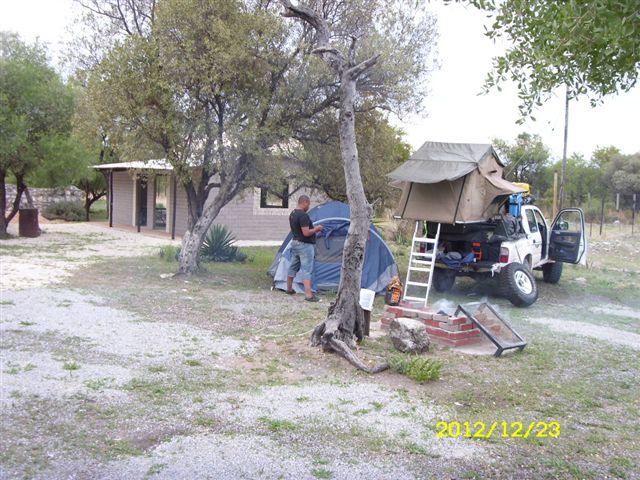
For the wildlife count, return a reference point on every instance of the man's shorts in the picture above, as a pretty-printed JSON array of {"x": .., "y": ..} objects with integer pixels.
[{"x": 302, "y": 255}]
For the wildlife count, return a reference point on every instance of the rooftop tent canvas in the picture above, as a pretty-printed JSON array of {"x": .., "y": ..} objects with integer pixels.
[
  {"x": 379, "y": 264},
  {"x": 452, "y": 183}
]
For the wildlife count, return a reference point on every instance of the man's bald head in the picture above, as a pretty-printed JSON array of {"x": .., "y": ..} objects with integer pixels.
[{"x": 304, "y": 202}]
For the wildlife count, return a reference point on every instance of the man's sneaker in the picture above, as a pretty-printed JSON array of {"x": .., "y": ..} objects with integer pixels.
[{"x": 315, "y": 298}]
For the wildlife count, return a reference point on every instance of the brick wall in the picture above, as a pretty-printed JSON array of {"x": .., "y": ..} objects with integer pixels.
[
  {"x": 243, "y": 215},
  {"x": 443, "y": 329}
]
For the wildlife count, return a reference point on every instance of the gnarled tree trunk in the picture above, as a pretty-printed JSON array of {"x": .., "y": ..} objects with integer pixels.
[
  {"x": 344, "y": 322},
  {"x": 5, "y": 218},
  {"x": 230, "y": 185}
]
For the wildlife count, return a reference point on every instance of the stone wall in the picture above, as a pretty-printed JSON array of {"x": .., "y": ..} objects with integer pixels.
[{"x": 45, "y": 196}]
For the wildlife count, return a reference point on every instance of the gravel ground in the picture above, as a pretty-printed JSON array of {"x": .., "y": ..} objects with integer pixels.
[
  {"x": 66, "y": 247},
  {"x": 607, "y": 334},
  {"x": 89, "y": 390},
  {"x": 241, "y": 457}
]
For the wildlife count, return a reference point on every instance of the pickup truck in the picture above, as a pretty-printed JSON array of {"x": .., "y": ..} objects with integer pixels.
[{"x": 511, "y": 248}]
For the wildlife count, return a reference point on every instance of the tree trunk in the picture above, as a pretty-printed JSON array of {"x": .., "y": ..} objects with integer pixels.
[
  {"x": 3, "y": 204},
  {"x": 20, "y": 187},
  {"x": 193, "y": 238},
  {"x": 345, "y": 317},
  {"x": 87, "y": 206}
]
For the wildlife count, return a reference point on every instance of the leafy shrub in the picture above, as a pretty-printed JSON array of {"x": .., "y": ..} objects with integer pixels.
[
  {"x": 218, "y": 246},
  {"x": 69, "y": 211},
  {"x": 169, "y": 253},
  {"x": 418, "y": 368}
]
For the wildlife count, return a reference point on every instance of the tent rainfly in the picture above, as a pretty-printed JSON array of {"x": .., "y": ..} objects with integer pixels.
[
  {"x": 452, "y": 183},
  {"x": 379, "y": 265}
]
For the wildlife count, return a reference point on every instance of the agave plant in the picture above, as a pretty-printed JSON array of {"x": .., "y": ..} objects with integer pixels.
[{"x": 218, "y": 246}]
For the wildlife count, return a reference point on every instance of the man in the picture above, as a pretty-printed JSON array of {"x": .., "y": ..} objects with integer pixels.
[{"x": 302, "y": 247}]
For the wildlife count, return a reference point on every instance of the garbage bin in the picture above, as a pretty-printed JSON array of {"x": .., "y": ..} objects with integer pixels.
[{"x": 28, "y": 223}]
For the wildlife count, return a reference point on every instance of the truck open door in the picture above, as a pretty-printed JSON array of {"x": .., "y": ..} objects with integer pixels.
[{"x": 568, "y": 242}]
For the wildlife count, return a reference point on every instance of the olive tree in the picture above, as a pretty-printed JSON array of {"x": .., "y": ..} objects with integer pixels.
[
  {"x": 35, "y": 114},
  {"x": 376, "y": 52}
]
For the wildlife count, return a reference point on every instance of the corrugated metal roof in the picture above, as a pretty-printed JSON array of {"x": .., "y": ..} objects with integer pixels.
[{"x": 159, "y": 164}]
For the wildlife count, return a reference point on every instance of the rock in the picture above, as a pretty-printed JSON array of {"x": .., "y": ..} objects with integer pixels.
[
  {"x": 581, "y": 280},
  {"x": 409, "y": 335}
]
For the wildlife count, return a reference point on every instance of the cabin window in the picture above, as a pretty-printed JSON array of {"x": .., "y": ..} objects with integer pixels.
[{"x": 270, "y": 198}]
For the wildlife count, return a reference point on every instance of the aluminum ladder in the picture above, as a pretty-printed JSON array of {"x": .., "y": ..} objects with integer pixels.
[{"x": 421, "y": 265}]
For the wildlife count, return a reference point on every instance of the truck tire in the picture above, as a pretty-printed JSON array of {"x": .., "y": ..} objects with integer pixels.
[
  {"x": 518, "y": 285},
  {"x": 551, "y": 272},
  {"x": 443, "y": 279}
]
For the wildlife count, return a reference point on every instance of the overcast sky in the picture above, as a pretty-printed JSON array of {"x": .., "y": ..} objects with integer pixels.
[{"x": 454, "y": 111}]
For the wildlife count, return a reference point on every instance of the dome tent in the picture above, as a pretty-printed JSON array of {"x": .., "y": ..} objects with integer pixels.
[{"x": 379, "y": 265}]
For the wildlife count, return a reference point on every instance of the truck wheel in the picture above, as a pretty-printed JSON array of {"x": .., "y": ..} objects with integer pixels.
[
  {"x": 551, "y": 272},
  {"x": 443, "y": 279},
  {"x": 518, "y": 285}
]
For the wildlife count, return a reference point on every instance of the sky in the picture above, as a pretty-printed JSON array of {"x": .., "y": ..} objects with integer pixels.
[{"x": 454, "y": 112}]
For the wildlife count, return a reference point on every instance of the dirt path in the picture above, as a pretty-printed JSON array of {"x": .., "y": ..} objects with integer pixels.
[
  {"x": 607, "y": 334},
  {"x": 63, "y": 248}
]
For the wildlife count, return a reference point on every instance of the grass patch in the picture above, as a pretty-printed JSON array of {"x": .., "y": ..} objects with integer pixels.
[
  {"x": 98, "y": 383},
  {"x": 169, "y": 253},
  {"x": 415, "y": 449},
  {"x": 193, "y": 363},
  {"x": 276, "y": 425},
  {"x": 321, "y": 473},
  {"x": 7, "y": 302},
  {"x": 420, "y": 369},
  {"x": 71, "y": 366}
]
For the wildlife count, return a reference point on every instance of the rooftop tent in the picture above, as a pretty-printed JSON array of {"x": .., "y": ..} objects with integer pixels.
[
  {"x": 379, "y": 265},
  {"x": 452, "y": 183}
]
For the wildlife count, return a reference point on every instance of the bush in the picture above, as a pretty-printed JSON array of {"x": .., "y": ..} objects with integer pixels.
[
  {"x": 169, "y": 253},
  {"x": 418, "y": 368},
  {"x": 218, "y": 246},
  {"x": 69, "y": 211}
]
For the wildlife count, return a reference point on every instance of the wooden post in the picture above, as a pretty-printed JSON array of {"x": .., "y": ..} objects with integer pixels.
[
  {"x": 110, "y": 198},
  {"x": 601, "y": 215},
  {"x": 555, "y": 194},
  {"x": 138, "y": 204},
  {"x": 563, "y": 179},
  {"x": 367, "y": 323},
  {"x": 633, "y": 214},
  {"x": 173, "y": 208}
]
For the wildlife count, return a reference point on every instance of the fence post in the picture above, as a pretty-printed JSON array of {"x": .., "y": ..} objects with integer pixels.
[
  {"x": 601, "y": 215},
  {"x": 633, "y": 213}
]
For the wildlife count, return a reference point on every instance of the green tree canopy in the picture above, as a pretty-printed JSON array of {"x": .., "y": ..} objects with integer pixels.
[
  {"x": 223, "y": 88},
  {"x": 590, "y": 46},
  {"x": 525, "y": 159},
  {"x": 624, "y": 173},
  {"x": 35, "y": 113},
  {"x": 380, "y": 150}
]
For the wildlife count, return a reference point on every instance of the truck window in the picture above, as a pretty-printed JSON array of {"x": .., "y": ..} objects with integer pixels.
[
  {"x": 531, "y": 220},
  {"x": 540, "y": 220}
]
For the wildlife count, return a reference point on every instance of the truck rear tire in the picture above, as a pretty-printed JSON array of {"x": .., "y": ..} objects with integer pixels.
[
  {"x": 443, "y": 279},
  {"x": 551, "y": 272},
  {"x": 518, "y": 285}
]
